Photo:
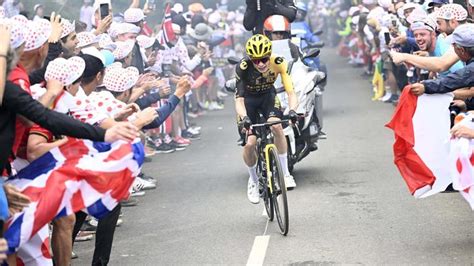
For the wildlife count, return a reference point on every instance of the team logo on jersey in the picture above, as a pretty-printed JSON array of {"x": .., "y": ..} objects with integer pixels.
[
  {"x": 279, "y": 60},
  {"x": 243, "y": 65}
]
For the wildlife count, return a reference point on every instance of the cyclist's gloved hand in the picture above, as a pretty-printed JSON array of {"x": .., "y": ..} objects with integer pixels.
[
  {"x": 293, "y": 116},
  {"x": 246, "y": 122}
]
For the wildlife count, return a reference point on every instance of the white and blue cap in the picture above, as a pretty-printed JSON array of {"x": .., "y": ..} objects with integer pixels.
[{"x": 463, "y": 36}]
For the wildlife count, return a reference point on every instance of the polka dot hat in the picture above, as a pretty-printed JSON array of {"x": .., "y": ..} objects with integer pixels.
[
  {"x": 67, "y": 27},
  {"x": 452, "y": 11},
  {"x": 120, "y": 79},
  {"x": 123, "y": 49},
  {"x": 65, "y": 71},
  {"x": 37, "y": 34}
]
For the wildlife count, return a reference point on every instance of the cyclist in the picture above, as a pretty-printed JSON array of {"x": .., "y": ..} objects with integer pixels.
[{"x": 256, "y": 94}]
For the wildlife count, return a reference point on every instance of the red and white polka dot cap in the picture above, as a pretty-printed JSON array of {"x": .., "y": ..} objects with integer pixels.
[
  {"x": 123, "y": 49},
  {"x": 67, "y": 27},
  {"x": 37, "y": 34},
  {"x": 86, "y": 38},
  {"x": 133, "y": 15},
  {"x": 65, "y": 71},
  {"x": 452, "y": 11},
  {"x": 145, "y": 42},
  {"x": 105, "y": 42},
  {"x": 120, "y": 79},
  {"x": 123, "y": 28},
  {"x": 17, "y": 32}
]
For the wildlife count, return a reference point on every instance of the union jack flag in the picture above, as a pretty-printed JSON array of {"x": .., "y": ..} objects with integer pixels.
[{"x": 79, "y": 175}]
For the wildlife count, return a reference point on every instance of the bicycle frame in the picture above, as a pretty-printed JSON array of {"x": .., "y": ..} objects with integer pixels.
[{"x": 267, "y": 162}]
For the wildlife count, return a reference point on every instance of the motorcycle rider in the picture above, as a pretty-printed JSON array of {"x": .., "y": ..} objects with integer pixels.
[
  {"x": 258, "y": 10},
  {"x": 277, "y": 27},
  {"x": 302, "y": 30},
  {"x": 255, "y": 94}
]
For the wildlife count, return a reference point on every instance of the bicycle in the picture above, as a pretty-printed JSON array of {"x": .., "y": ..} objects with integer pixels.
[{"x": 271, "y": 179}]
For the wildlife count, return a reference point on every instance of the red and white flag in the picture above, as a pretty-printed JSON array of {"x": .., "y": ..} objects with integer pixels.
[
  {"x": 167, "y": 35},
  {"x": 422, "y": 140},
  {"x": 461, "y": 161}
]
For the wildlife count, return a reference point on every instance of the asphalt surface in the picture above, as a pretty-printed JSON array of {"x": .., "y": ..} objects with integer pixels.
[{"x": 351, "y": 206}]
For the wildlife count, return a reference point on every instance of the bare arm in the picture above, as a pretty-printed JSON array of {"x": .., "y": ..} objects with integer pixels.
[
  {"x": 463, "y": 94},
  {"x": 135, "y": 4},
  {"x": 38, "y": 145},
  {"x": 240, "y": 107},
  {"x": 434, "y": 64}
]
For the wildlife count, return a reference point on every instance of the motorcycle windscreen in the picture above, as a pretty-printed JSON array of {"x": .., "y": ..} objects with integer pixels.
[{"x": 281, "y": 48}]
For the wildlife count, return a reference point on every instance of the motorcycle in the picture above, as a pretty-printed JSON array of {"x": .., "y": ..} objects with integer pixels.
[
  {"x": 305, "y": 40},
  {"x": 307, "y": 83}
]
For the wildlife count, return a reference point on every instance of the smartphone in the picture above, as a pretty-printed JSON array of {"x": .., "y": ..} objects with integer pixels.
[
  {"x": 387, "y": 38},
  {"x": 104, "y": 10},
  {"x": 48, "y": 18}
]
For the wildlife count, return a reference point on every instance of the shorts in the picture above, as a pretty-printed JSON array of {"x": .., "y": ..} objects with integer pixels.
[{"x": 266, "y": 104}]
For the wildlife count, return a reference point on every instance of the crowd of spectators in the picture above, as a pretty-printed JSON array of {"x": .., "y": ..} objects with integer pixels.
[
  {"x": 107, "y": 77},
  {"x": 402, "y": 43}
]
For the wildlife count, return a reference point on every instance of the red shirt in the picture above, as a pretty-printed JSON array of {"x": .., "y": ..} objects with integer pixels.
[{"x": 19, "y": 76}]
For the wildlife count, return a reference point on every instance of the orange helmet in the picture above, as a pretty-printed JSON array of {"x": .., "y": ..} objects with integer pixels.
[{"x": 276, "y": 23}]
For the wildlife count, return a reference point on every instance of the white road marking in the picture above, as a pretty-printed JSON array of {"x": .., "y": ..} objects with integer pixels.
[
  {"x": 264, "y": 213},
  {"x": 259, "y": 249}
]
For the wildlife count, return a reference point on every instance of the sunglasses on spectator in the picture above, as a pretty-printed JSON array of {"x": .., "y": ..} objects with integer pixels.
[{"x": 263, "y": 60}]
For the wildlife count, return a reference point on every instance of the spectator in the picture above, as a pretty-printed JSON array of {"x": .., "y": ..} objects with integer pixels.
[
  {"x": 39, "y": 12},
  {"x": 86, "y": 14}
]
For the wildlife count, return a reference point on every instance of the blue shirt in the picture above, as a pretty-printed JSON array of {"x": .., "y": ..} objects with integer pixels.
[{"x": 441, "y": 48}]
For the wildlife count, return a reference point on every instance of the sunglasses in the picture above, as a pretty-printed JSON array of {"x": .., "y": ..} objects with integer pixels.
[{"x": 263, "y": 60}]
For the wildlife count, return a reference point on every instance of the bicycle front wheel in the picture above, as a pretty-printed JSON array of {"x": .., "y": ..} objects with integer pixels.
[
  {"x": 265, "y": 191},
  {"x": 280, "y": 201}
]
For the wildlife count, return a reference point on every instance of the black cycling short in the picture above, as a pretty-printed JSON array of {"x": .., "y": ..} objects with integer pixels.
[{"x": 266, "y": 104}]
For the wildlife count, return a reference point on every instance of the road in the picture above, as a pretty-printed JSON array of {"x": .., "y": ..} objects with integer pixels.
[{"x": 351, "y": 206}]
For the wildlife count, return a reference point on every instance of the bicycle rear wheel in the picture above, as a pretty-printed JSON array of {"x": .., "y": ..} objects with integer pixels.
[
  {"x": 265, "y": 191},
  {"x": 279, "y": 198}
]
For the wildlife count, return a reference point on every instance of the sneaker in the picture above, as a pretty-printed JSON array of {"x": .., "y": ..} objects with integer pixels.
[
  {"x": 194, "y": 127},
  {"x": 83, "y": 236},
  {"x": 144, "y": 185},
  {"x": 189, "y": 135},
  {"x": 87, "y": 228},
  {"x": 193, "y": 131},
  {"x": 130, "y": 202},
  {"x": 164, "y": 148},
  {"x": 387, "y": 96},
  {"x": 252, "y": 191},
  {"x": 177, "y": 146},
  {"x": 215, "y": 106},
  {"x": 137, "y": 193},
  {"x": 119, "y": 222},
  {"x": 147, "y": 178},
  {"x": 182, "y": 141},
  {"x": 73, "y": 255},
  {"x": 290, "y": 182}
]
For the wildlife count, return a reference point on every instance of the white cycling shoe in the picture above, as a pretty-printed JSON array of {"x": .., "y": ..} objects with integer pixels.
[
  {"x": 290, "y": 182},
  {"x": 252, "y": 191}
]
